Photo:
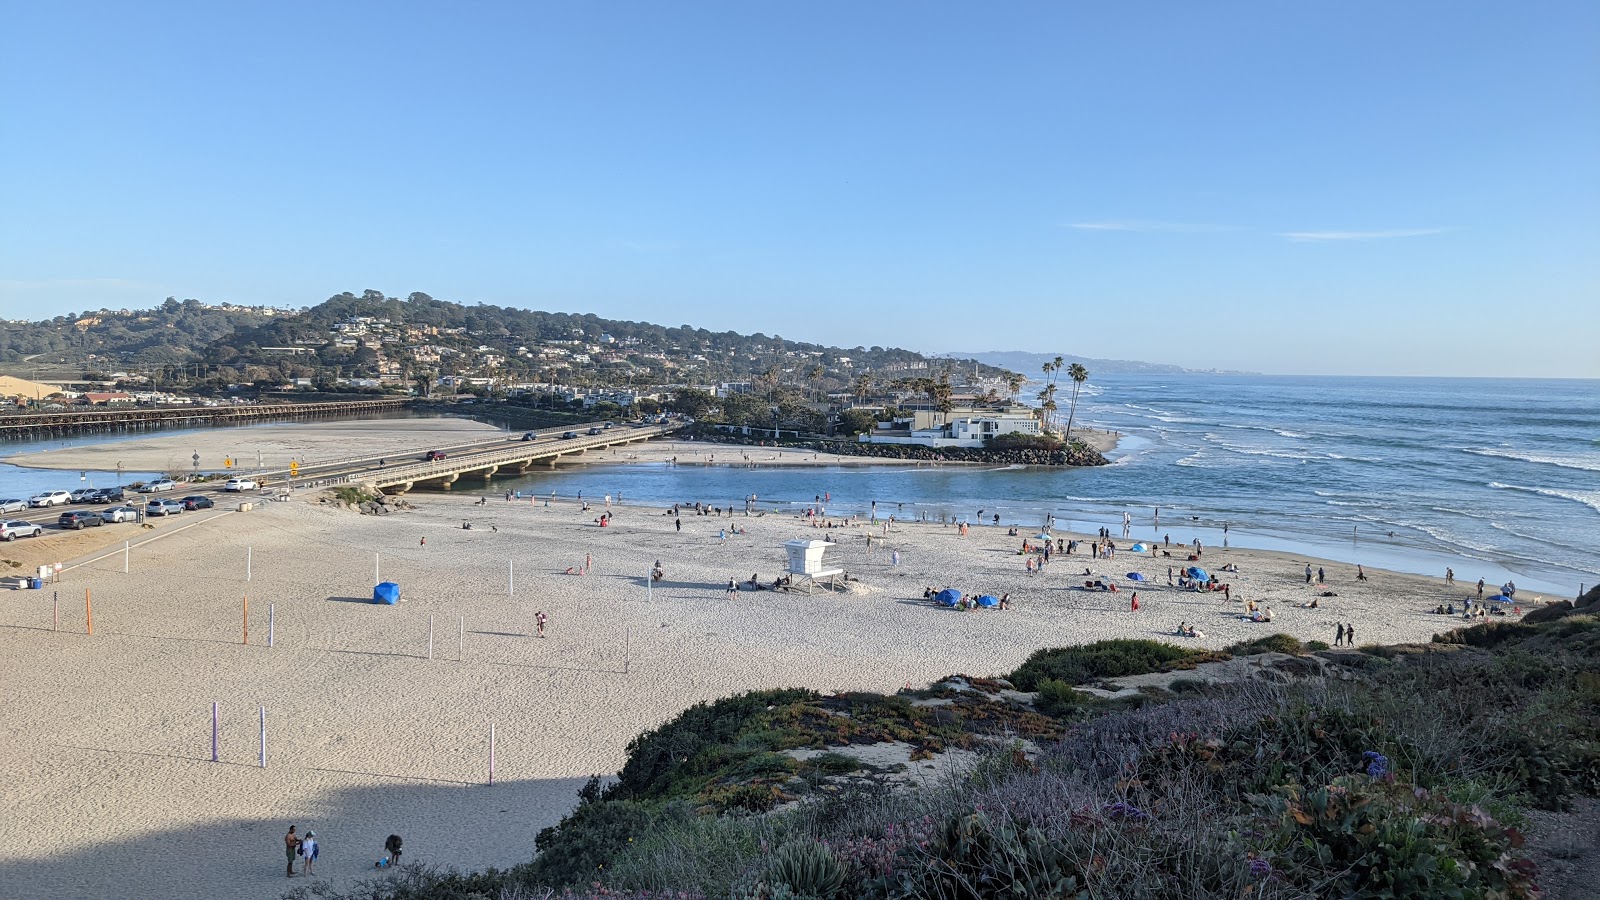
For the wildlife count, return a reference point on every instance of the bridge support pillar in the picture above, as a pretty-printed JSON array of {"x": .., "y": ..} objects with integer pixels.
[
  {"x": 489, "y": 472},
  {"x": 550, "y": 461},
  {"x": 447, "y": 480}
]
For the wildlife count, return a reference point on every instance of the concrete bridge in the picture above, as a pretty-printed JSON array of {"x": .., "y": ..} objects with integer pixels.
[{"x": 516, "y": 456}]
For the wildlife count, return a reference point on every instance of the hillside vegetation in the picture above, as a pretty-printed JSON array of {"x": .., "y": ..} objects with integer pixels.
[{"x": 1409, "y": 772}]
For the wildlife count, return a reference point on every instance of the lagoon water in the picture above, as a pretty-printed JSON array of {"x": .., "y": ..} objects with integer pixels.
[{"x": 1498, "y": 478}]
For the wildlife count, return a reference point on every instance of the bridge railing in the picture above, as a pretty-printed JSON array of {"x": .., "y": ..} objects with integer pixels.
[{"x": 441, "y": 468}]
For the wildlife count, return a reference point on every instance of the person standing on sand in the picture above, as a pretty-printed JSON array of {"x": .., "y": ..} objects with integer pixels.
[
  {"x": 733, "y": 589},
  {"x": 1338, "y": 635},
  {"x": 1361, "y": 574},
  {"x": 291, "y": 846},
  {"x": 1350, "y": 635},
  {"x": 1449, "y": 576},
  {"x": 308, "y": 852},
  {"x": 1480, "y": 588},
  {"x": 1322, "y": 577},
  {"x": 1308, "y": 573},
  {"x": 1135, "y": 601},
  {"x": 538, "y": 622},
  {"x": 678, "y": 524}
]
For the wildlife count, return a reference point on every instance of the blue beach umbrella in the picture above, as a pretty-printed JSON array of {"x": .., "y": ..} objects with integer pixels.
[
  {"x": 1501, "y": 598},
  {"x": 1197, "y": 572},
  {"x": 1043, "y": 536},
  {"x": 988, "y": 600},
  {"x": 1135, "y": 576},
  {"x": 1138, "y": 548}
]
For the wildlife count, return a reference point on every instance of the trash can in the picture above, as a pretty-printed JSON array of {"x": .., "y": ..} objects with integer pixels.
[{"x": 38, "y": 584}]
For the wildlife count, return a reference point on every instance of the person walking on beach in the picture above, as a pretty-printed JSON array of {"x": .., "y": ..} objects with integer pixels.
[
  {"x": 291, "y": 849},
  {"x": 1361, "y": 574},
  {"x": 1135, "y": 601},
  {"x": 1350, "y": 635},
  {"x": 1449, "y": 576},
  {"x": 1338, "y": 635},
  {"x": 538, "y": 622},
  {"x": 678, "y": 524},
  {"x": 1480, "y": 588},
  {"x": 1308, "y": 573},
  {"x": 308, "y": 852}
]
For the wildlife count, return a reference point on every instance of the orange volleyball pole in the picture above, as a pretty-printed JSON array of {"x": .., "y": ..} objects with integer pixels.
[{"x": 88, "y": 610}]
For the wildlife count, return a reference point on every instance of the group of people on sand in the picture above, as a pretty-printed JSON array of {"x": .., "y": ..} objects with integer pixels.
[
  {"x": 308, "y": 848},
  {"x": 1185, "y": 629}
]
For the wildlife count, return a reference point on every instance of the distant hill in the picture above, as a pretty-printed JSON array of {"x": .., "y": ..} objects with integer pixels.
[{"x": 1029, "y": 364}]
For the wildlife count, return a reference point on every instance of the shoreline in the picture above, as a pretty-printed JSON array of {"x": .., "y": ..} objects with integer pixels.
[{"x": 278, "y": 442}]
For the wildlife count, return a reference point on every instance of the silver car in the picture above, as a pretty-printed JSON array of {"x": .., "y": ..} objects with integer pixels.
[
  {"x": 10, "y": 531},
  {"x": 120, "y": 514},
  {"x": 13, "y": 504},
  {"x": 163, "y": 508}
]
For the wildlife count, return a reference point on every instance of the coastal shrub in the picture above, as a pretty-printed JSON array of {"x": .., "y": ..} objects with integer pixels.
[
  {"x": 1315, "y": 646},
  {"x": 579, "y": 848},
  {"x": 1276, "y": 643},
  {"x": 1106, "y": 659},
  {"x": 1057, "y": 698},
  {"x": 354, "y": 494},
  {"x": 1016, "y": 440},
  {"x": 663, "y": 762},
  {"x": 834, "y": 763},
  {"x": 974, "y": 857},
  {"x": 807, "y": 868}
]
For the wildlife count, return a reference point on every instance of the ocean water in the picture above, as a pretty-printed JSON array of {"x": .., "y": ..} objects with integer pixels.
[{"x": 1496, "y": 478}]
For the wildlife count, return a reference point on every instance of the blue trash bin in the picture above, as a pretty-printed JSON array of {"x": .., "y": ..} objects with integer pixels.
[{"x": 38, "y": 584}]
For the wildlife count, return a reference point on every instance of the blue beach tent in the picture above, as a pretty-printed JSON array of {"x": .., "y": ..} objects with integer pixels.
[
  {"x": 387, "y": 593},
  {"x": 948, "y": 596},
  {"x": 988, "y": 600},
  {"x": 1135, "y": 576},
  {"x": 1138, "y": 548},
  {"x": 1197, "y": 572}
]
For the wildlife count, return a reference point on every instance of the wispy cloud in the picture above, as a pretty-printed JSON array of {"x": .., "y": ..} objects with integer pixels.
[
  {"x": 1141, "y": 225},
  {"x": 1324, "y": 236}
]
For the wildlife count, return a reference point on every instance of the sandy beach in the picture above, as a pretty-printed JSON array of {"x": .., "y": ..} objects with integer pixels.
[{"x": 109, "y": 777}]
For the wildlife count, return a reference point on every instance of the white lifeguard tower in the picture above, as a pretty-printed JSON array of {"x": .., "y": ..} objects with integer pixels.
[{"x": 806, "y": 561}]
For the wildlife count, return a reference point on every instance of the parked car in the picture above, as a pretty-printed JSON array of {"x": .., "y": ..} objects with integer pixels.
[
  {"x": 609, "y": 424},
  {"x": 13, "y": 505},
  {"x": 50, "y": 498},
  {"x": 530, "y": 436},
  {"x": 10, "y": 531},
  {"x": 81, "y": 495},
  {"x": 432, "y": 455},
  {"x": 197, "y": 502},
  {"x": 597, "y": 430},
  {"x": 568, "y": 435},
  {"x": 108, "y": 495},
  {"x": 160, "y": 484},
  {"x": 80, "y": 519},
  {"x": 120, "y": 514},
  {"x": 240, "y": 484},
  {"x": 163, "y": 508}
]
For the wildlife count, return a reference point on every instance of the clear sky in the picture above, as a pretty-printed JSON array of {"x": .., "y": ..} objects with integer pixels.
[{"x": 1359, "y": 186}]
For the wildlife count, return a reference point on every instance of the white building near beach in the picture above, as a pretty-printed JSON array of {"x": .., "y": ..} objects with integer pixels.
[{"x": 958, "y": 428}]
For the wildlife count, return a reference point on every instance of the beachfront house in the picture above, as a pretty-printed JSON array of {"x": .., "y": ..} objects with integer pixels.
[{"x": 960, "y": 427}]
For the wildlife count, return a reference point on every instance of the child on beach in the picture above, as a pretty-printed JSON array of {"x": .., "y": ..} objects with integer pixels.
[{"x": 538, "y": 622}]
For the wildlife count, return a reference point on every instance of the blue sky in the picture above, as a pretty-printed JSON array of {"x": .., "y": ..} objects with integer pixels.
[{"x": 1322, "y": 187}]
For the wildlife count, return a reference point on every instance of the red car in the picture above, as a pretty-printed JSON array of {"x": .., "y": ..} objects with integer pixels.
[{"x": 433, "y": 455}]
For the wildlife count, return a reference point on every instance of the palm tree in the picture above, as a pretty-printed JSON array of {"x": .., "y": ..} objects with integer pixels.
[
  {"x": 815, "y": 377},
  {"x": 863, "y": 386},
  {"x": 1047, "y": 404},
  {"x": 941, "y": 393},
  {"x": 1079, "y": 375},
  {"x": 1015, "y": 381}
]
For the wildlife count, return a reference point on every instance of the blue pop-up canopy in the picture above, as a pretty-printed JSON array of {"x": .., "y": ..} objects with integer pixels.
[
  {"x": 948, "y": 596},
  {"x": 387, "y": 593},
  {"x": 1197, "y": 572}
]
